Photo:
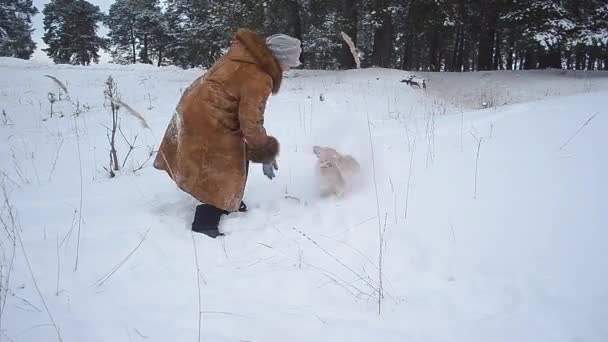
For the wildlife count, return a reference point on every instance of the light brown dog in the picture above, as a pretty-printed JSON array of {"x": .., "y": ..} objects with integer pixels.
[{"x": 337, "y": 172}]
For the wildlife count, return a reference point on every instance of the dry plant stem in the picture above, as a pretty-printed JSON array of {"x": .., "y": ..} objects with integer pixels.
[
  {"x": 119, "y": 103},
  {"x": 54, "y": 165},
  {"x": 453, "y": 234},
  {"x": 129, "y": 143},
  {"x": 26, "y": 302},
  {"x": 81, "y": 195},
  {"x": 461, "y": 128},
  {"x": 113, "y": 151},
  {"x": 356, "y": 225},
  {"x": 6, "y": 176},
  {"x": 198, "y": 284},
  {"x": 145, "y": 124},
  {"x": 69, "y": 233},
  {"x": 370, "y": 261},
  {"x": 578, "y": 131},
  {"x": 35, "y": 168},
  {"x": 380, "y": 242},
  {"x": 58, "y": 267},
  {"x": 18, "y": 168},
  {"x": 331, "y": 275},
  {"x": 58, "y": 82},
  {"x": 407, "y": 131},
  {"x": 4, "y": 287},
  {"x": 145, "y": 163},
  {"x": 476, "y": 167},
  {"x": 409, "y": 178},
  {"x": 8, "y": 226},
  {"x": 380, "y": 257},
  {"x": 111, "y": 93},
  {"x": 29, "y": 266},
  {"x": 359, "y": 277},
  {"x": 110, "y": 273}
]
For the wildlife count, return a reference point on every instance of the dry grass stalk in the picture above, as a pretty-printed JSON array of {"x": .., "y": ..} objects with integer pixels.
[
  {"x": 198, "y": 284},
  {"x": 81, "y": 193},
  {"x": 578, "y": 131},
  {"x": 17, "y": 237},
  {"x": 118, "y": 102},
  {"x": 334, "y": 278},
  {"x": 476, "y": 166},
  {"x": 59, "y": 83},
  {"x": 368, "y": 282},
  {"x": 109, "y": 274},
  {"x": 144, "y": 123}
]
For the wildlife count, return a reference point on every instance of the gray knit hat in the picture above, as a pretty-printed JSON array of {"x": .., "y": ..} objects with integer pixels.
[{"x": 285, "y": 49}]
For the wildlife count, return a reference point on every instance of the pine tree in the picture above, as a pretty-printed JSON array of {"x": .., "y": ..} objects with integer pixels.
[
  {"x": 16, "y": 28},
  {"x": 588, "y": 41},
  {"x": 433, "y": 35},
  {"x": 71, "y": 31},
  {"x": 137, "y": 31},
  {"x": 201, "y": 31}
]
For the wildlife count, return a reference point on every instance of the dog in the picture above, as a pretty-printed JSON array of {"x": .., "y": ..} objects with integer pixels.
[{"x": 337, "y": 172}]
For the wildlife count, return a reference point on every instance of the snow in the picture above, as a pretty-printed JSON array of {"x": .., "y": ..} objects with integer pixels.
[{"x": 520, "y": 259}]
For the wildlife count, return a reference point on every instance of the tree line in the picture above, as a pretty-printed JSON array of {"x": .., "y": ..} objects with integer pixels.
[{"x": 432, "y": 35}]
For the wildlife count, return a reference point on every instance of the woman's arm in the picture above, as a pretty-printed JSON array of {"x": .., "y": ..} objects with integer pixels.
[{"x": 261, "y": 148}]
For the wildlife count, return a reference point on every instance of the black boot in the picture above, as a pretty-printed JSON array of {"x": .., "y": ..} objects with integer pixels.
[{"x": 207, "y": 220}]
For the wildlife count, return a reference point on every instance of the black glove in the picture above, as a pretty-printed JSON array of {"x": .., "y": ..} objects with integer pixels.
[{"x": 269, "y": 168}]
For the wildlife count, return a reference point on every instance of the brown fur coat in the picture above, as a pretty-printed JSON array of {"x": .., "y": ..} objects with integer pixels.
[{"x": 218, "y": 125}]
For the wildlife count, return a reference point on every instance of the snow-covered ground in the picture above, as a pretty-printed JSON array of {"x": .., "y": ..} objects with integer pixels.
[
  {"x": 498, "y": 88},
  {"x": 493, "y": 221}
]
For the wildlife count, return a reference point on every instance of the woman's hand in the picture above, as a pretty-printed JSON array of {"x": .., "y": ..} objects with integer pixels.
[{"x": 269, "y": 169}]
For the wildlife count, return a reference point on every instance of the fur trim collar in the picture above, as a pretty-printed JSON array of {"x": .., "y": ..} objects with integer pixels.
[{"x": 256, "y": 46}]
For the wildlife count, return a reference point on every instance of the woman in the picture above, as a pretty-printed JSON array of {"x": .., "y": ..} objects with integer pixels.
[{"x": 218, "y": 126}]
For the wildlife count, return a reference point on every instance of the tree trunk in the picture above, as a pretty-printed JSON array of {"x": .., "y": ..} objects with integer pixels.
[
  {"x": 134, "y": 53},
  {"x": 144, "y": 51},
  {"x": 510, "y": 56},
  {"x": 383, "y": 36},
  {"x": 592, "y": 58},
  {"x": 580, "y": 58},
  {"x": 498, "y": 63},
  {"x": 433, "y": 45},
  {"x": 408, "y": 41},
  {"x": 549, "y": 58},
  {"x": 406, "y": 61},
  {"x": 460, "y": 60},
  {"x": 454, "y": 64},
  {"x": 466, "y": 57},
  {"x": 522, "y": 59},
  {"x": 487, "y": 34},
  {"x": 530, "y": 60},
  {"x": 297, "y": 19}
]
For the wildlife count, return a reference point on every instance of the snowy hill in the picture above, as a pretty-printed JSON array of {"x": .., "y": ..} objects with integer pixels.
[{"x": 492, "y": 222}]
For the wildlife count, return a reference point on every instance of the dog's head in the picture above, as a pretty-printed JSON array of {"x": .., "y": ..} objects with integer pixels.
[{"x": 325, "y": 153}]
